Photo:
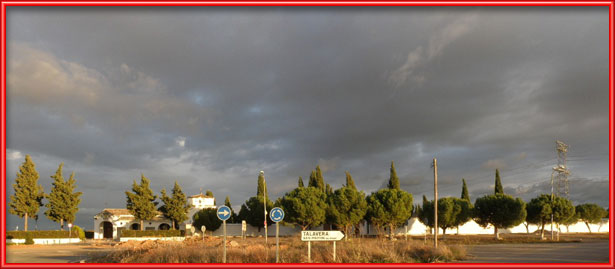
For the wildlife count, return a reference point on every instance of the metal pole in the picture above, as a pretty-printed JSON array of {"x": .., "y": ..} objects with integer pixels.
[
  {"x": 551, "y": 206},
  {"x": 277, "y": 242},
  {"x": 333, "y": 251},
  {"x": 435, "y": 207},
  {"x": 265, "y": 206},
  {"x": 309, "y": 251},
  {"x": 224, "y": 256}
]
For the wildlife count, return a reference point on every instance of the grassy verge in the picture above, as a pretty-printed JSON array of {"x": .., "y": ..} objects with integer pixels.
[
  {"x": 513, "y": 238},
  {"x": 292, "y": 250}
]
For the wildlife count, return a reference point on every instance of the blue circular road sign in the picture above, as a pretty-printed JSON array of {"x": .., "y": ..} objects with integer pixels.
[
  {"x": 276, "y": 214},
  {"x": 224, "y": 212}
]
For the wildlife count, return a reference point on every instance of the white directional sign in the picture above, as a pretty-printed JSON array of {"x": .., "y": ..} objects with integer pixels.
[{"x": 321, "y": 235}]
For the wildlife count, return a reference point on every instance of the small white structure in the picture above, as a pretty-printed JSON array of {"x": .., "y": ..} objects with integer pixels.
[{"x": 109, "y": 222}]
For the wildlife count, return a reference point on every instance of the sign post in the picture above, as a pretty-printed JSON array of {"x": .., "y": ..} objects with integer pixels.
[
  {"x": 310, "y": 236},
  {"x": 243, "y": 229},
  {"x": 70, "y": 230},
  {"x": 224, "y": 213},
  {"x": 277, "y": 215},
  {"x": 203, "y": 232},
  {"x": 192, "y": 229}
]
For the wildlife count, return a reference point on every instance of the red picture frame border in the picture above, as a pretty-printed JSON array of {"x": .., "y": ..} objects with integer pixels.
[{"x": 3, "y": 187}]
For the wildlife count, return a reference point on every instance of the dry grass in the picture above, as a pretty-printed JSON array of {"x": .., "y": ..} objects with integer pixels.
[
  {"x": 292, "y": 250},
  {"x": 514, "y": 238}
]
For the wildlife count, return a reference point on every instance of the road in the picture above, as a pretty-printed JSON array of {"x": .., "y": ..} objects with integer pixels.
[
  {"x": 585, "y": 252},
  {"x": 68, "y": 253}
]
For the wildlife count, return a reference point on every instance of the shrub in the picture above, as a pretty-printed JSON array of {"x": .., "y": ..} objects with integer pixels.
[
  {"x": 29, "y": 239},
  {"x": 152, "y": 233},
  {"x": 36, "y": 234},
  {"x": 77, "y": 231}
]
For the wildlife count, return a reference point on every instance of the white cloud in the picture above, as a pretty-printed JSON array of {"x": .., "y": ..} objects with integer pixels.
[
  {"x": 180, "y": 141},
  {"x": 13, "y": 155}
]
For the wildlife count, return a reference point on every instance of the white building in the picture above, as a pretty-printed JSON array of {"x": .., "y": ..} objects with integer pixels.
[{"x": 109, "y": 222}]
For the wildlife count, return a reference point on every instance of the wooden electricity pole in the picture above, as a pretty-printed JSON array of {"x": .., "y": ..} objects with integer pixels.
[{"x": 435, "y": 204}]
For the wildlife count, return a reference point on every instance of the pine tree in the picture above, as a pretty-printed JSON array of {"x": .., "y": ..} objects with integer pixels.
[
  {"x": 28, "y": 196},
  {"x": 464, "y": 191},
  {"x": 349, "y": 181},
  {"x": 498, "y": 183},
  {"x": 393, "y": 179},
  {"x": 320, "y": 179},
  {"x": 252, "y": 211},
  {"x": 174, "y": 207},
  {"x": 328, "y": 189},
  {"x": 73, "y": 199},
  {"x": 140, "y": 201},
  {"x": 56, "y": 197},
  {"x": 313, "y": 182},
  {"x": 300, "y": 183}
]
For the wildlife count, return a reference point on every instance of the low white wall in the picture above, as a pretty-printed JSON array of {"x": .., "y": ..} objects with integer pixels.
[
  {"x": 45, "y": 241},
  {"x": 175, "y": 238}
]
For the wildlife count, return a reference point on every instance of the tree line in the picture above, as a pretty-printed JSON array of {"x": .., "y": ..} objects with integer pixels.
[{"x": 314, "y": 205}]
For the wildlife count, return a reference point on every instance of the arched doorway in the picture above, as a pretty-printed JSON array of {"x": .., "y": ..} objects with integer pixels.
[
  {"x": 164, "y": 226},
  {"x": 135, "y": 226},
  {"x": 107, "y": 230}
]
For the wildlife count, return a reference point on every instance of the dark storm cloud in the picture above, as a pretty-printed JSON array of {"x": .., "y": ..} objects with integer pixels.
[{"x": 210, "y": 96}]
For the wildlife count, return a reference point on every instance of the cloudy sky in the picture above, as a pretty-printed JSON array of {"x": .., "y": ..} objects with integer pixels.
[{"x": 210, "y": 96}]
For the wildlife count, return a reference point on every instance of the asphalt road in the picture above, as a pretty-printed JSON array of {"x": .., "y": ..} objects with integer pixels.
[
  {"x": 585, "y": 252},
  {"x": 68, "y": 253}
]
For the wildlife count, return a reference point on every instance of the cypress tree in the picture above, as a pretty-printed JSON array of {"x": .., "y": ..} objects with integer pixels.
[
  {"x": 28, "y": 196},
  {"x": 56, "y": 197},
  {"x": 262, "y": 186},
  {"x": 464, "y": 191},
  {"x": 425, "y": 201},
  {"x": 498, "y": 183},
  {"x": 176, "y": 206},
  {"x": 300, "y": 183},
  {"x": 320, "y": 179},
  {"x": 313, "y": 182},
  {"x": 227, "y": 202},
  {"x": 140, "y": 201},
  {"x": 393, "y": 179},
  {"x": 349, "y": 181},
  {"x": 328, "y": 189}
]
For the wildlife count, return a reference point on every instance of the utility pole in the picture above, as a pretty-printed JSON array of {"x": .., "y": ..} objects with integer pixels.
[
  {"x": 435, "y": 207},
  {"x": 265, "y": 206},
  {"x": 562, "y": 177}
]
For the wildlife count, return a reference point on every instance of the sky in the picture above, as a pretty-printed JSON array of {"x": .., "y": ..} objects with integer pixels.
[{"x": 210, "y": 96}]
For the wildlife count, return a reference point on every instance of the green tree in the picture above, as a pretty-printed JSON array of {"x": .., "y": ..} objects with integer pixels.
[
  {"x": 253, "y": 210},
  {"x": 28, "y": 196},
  {"x": 499, "y": 210},
  {"x": 393, "y": 179},
  {"x": 390, "y": 207},
  {"x": 347, "y": 207},
  {"x": 590, "y": 213},
  {"x": 207, "y": 217},
  {"x": 175, "y": 207},
  {"x": 464, "y": 191},
  {"x": 141, "y": 201},
  {"x": 72, "y": 199},
  {"x": 498, "y": 183},
  {"x": 305, "y": 207},
  {"x": 452, "y": 212},
  {"x": 300, "y": 183},
  {"x": 209, "y": 193},
  {"x": 233, "y": 218},
  {"x": 539, "y": 211},
  {"x": 320, "y": 179},
  {"x": 56, "y": 209},
  {"x": 350, "y": 181}
]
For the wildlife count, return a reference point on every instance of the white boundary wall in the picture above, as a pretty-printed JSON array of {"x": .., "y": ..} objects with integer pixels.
[
  {"x": 175, "y": 238},
  {"x": 45, "y": 241}
]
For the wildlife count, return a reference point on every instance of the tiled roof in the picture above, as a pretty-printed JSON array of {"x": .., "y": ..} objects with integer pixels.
[
  {"x": 200, "y": 195},
  {"x": 124, "y": 211}
]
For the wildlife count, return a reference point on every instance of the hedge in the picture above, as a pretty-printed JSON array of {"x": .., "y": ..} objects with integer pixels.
[
  {"x": 39, "y": 234},
  {"x": 152, "y": 233}
]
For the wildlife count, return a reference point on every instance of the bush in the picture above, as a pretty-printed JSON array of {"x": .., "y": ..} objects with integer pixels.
[
  {"x": 29, "y": 239},
  {"x": 152, "y": 233},
  {"x": 36, "y": 234},
  {"x": 77, "y": 231}
]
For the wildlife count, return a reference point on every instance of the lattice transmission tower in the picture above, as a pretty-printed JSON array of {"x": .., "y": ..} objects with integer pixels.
[{"x": 559, "y": 176}]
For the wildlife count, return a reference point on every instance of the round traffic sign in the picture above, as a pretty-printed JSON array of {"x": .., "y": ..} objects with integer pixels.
[
  {"x": 203, "y": 228},
  {"x": 224, "y": 212},
  {"x": 276, "y": 214}
]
